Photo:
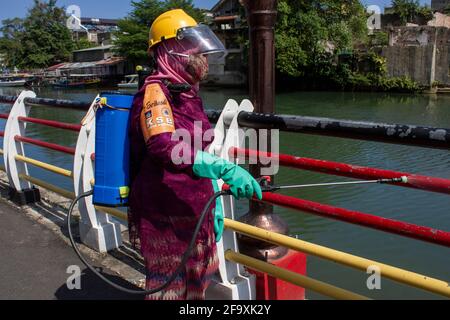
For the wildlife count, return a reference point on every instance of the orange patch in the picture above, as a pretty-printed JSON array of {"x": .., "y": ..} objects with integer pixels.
[{"x": 156, "y": 116}]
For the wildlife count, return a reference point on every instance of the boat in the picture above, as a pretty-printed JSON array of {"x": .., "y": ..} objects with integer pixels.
[
  {"x": 131, "y": 82},
  {"x": 77, "y": 81},
  {"x": 12, "y": 81}
]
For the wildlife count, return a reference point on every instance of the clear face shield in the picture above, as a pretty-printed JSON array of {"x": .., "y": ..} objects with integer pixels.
[{"x": 199, "y": 40}]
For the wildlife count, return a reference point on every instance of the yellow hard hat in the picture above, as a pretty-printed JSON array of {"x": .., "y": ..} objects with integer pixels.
[{"x": 167, "y": 25}]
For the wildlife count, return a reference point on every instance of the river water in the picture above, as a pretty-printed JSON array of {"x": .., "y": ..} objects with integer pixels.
[{"x": 414, "y": 206}]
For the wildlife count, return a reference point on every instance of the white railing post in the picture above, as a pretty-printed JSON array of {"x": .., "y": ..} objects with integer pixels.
[
  {"x": 21, "y": 191},
  {"x": 97, "y": 229},
  {"x": 234, "y": 283}
]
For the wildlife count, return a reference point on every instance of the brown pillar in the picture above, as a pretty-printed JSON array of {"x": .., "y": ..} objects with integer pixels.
[{"x": 261, "y": 15}]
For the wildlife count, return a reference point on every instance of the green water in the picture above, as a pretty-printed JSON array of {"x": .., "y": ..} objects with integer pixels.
[{"x": 423, "y": 208}]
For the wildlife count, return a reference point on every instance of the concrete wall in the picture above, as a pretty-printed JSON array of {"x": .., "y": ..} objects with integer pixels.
[
  {"x": 439, "y": 5},
  {"x": 410, "y": 53}
]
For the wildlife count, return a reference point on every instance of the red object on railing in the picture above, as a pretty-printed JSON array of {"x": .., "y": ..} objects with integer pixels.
[
  {"x": 54, "y": 124},
  {"x": 360, "y": 218},
  {"x": 346, "y": 170},
  {"x": 47, "y": 145},
  {"x": 4, "y": 116}
]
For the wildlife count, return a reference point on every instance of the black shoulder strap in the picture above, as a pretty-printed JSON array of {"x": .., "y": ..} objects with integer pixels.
[{"x": 177, "y": 88}]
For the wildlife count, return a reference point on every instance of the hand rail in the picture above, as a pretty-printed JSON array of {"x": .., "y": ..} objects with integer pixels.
[
  {"x": 393, "y": 273},
  {"x": 46, "y": 145},
  {"x": 45, "y": 166},
  {"x": 412, "y": 135},
  {"x": 292, "y": 277},
  {"x": 415, "y": 181},
  {"x": 401, "y": 228},
  {"x": 51, "y": 123}
]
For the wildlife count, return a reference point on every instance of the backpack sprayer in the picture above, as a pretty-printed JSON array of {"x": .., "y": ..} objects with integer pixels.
[{"x": 112, "y": 179}]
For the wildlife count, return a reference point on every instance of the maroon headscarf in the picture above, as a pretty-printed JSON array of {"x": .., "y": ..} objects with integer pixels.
[{"x": 173, "y": 67}]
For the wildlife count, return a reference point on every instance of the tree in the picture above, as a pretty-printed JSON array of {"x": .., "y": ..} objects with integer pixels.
[
  {"x": 46, "y": 40},
  {"x": 10, "y": 48},
  {"x": 40, "y": 40},
  {"x": 308, "y": 31},
  {"x": 132, "y": 37},
  {"x": 408, "y": 10}
]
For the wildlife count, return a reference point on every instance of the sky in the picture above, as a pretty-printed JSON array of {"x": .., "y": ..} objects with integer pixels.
[{"x": 114, "y": 8}]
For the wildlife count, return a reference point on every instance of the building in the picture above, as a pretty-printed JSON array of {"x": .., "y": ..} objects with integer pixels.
[
  {"x": 93, "y": 54},
  {"x": 95, "y": 30},
  {"x": 440, "y": 5},
  {"x": 100, "y": 61},
  {"x": 421, "y": 53},
  {"x": 225, "y": 21}
]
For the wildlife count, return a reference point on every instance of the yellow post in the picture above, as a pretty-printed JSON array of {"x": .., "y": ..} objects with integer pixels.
[{"x": 393, "y": 273}]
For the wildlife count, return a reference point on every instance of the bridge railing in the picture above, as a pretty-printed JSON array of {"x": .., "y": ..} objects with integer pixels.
[{"x": 103, "y": 233}]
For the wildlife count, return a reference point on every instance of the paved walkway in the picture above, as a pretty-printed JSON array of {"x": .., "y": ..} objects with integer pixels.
[{"x": 34, "y": 261}]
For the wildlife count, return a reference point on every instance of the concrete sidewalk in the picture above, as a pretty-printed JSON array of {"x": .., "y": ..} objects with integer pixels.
[{"x": 34, "y": 260}]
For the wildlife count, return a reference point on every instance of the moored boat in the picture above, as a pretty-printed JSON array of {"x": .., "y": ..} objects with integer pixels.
[
  {"x": 77, "y": 81},
  {"x": 131, "y": 82},
  {"x": 12, "y": 81}
]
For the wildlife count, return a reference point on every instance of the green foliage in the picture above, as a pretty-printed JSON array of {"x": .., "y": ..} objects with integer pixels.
[
  {"x": 132, "y": 37},
  {"x": 379, "y": 38},
  {"x": 317, "y": 41},
  {"x": 83, "y": 43},
  {"x": 407, "y": 10},
  {"x": 307, "y": 29},
  {"x": 10, "y": 47},
  {"x": 397, "y": 84},
  {"x": 40, "y": 40}
]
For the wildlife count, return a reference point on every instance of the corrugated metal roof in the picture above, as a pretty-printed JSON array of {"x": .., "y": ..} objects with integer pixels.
[
  {"x": 78, "y": 65},
  {"x": 56, "y": 66},
  {"x": 110, "y": 61},
  {"x": 96, "y": 48}
]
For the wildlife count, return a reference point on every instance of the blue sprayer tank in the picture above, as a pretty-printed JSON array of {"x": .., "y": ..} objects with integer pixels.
[{"x": 112, "y": 150}]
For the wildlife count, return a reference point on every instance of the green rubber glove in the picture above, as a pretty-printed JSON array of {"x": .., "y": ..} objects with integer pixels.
[
  {"x": 218, "y": 214},
  {"x": 241, "y": 182}
]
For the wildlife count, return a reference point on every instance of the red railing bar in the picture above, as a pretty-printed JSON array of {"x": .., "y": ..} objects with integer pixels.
[
  {"x": 54, "y": 124},
  {"x": 4, "y": 116},
  {"x": 47, "y": 145},
  {"x": 2, "y": 133},
  {"x": 346, "y": 170},
  {"x": 363, "y": 219}
]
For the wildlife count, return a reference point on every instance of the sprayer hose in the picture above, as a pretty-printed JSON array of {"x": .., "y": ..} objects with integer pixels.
[{"x": 172, "y": 277}]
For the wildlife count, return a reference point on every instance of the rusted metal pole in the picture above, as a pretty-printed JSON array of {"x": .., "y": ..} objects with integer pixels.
[{"x": 261, "y": 16}]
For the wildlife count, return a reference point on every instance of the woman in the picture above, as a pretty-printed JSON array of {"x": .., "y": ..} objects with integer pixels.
[{"x": 167, "y": 196}]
